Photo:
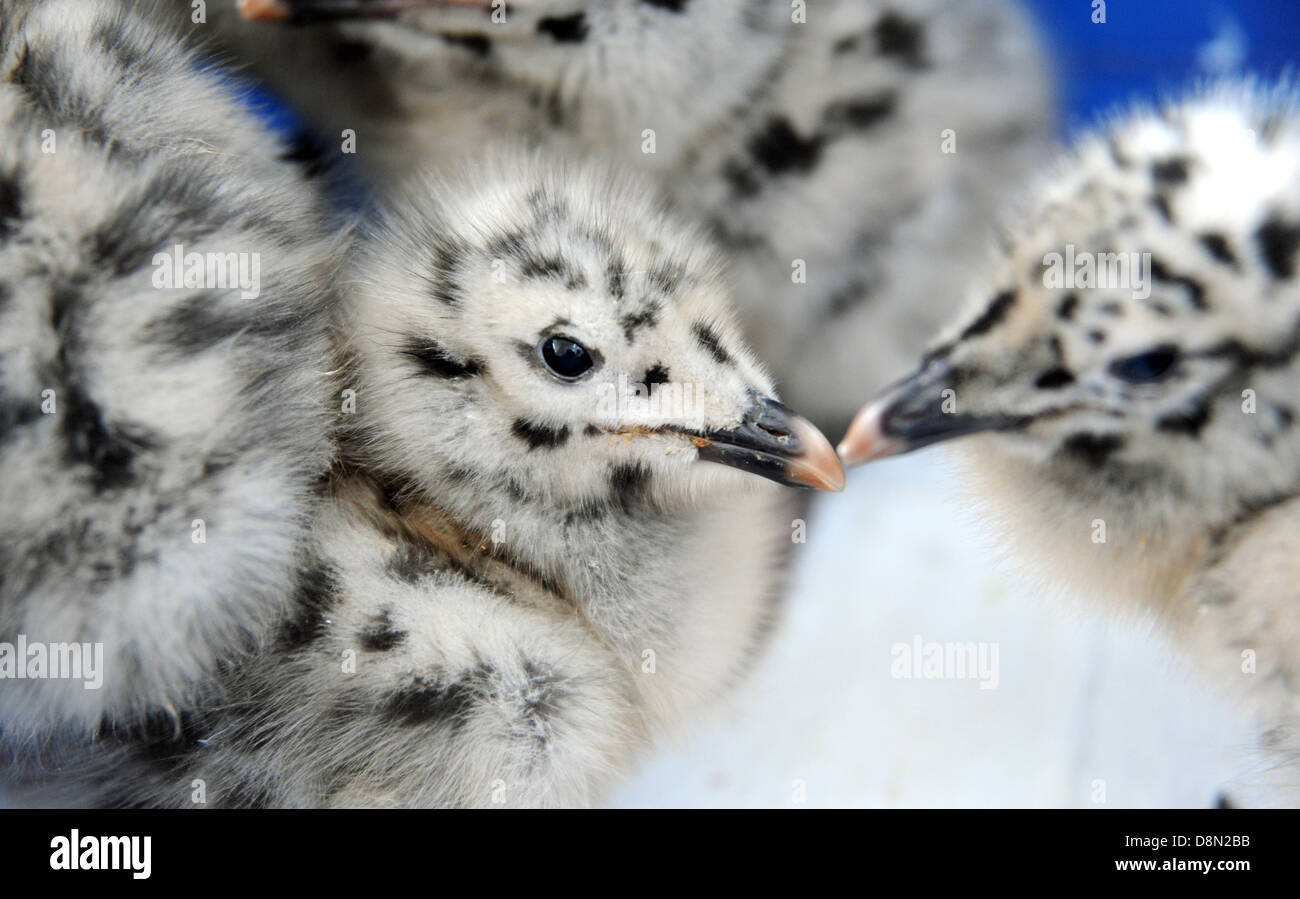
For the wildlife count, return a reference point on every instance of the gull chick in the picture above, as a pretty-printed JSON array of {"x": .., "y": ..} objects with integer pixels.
[
  {"x": 1131, "y": 373},
  {"x": 553, "y": 532}
]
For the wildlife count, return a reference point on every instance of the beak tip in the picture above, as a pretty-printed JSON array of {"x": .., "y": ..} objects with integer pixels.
[
  {"x": 263, "y": 10},
  {"x": 864, "y": 441},
  {"x": 817, "y": 466}
]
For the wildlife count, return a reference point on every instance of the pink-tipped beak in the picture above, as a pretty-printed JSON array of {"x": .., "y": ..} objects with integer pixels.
[
  {"x": 264, "y": 10},
  {"x": 865, "y": 440}
]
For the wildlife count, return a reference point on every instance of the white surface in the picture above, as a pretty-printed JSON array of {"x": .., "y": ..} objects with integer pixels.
[{"x": 1078, "y": 700}]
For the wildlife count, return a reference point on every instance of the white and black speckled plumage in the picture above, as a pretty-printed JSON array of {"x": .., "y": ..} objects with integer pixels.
[
  {"x": 1171, "y": 417},
  {"x": 479, "y": 587},
  {"x": 169, "y": 405},
  {"x": 820, "y": 141},
  {"x": 510, "y": 590}
]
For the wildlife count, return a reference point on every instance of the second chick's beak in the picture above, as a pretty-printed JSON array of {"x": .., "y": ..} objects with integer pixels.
[
  {"x": 912, "y": 414},
  {"x": 773, "y": 442}
]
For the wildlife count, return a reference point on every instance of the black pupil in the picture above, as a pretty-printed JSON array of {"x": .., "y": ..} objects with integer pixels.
[
  {"x": 1149, "y": 366},
  {"x": 565, "y": 357}
]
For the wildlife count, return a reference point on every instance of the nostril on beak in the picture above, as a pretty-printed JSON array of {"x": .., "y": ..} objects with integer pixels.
[
  {"x": 774, "y": 442},
  {"x": 778, "y": 433}
]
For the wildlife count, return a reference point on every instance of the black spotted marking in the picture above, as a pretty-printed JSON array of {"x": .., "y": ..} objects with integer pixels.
[
  {"x": 1243, "y": 356},
  {"x": 539, "y": 436},
  {"x": 900, "y": 38},
  {"x": 64, "y": 300},
  {"x": 1170, "y": 172},
  {"x": 410, "y": 564},
  {"x": 309, "y": 152},
  {"x": 743, "y": 181},
  {"x": 11, "y": 205},
  {"x": 538, "y": 698},
  {"x": 709, "y": 339},
  {"x": 1111, "y": 308},
  {"x": 174, "y": 207},
  {"x": 442, "y": 280},
  {"x": 937, "y": 354},
  {"x": 592, "y": 431},
  {"x": 847, "y": 298},
  {"x": 128, "y": 54},
  {"x": 1058, "y": 351},
  {"x": 1160, "y": 203},
  {"x": 1067, "y": 307},
  {"x": 670, "y": 5},
  {"x": 1097, "y": 336},
  {"x": 634, "y": 321},
  {"x": 655, "y": 374},
  {"x": 735, "y": 238},
  {"x": 1217, "y": 246},
  {"x": 1054, "y": 379},
  {"x": 549, "y": 209},
  {"x": 616, "y": 277},
  {"x": 510, "y": 245},
  {"x": 780, "y": 149},
  {"x": 860, "y": 114},
  {"x": 1278, "y": 241},
  {"x": 846, "y": 44},
  {"x": 424, "y": 702},
  {"x": 517, "y": 492},
  {"x": 992, "y": 315},
  {"x": 39, "y": 78},
  {"x": 218, "y": 462},
  {"x": 1188, "y": 422},
  {"x": 666, "y": 278},
  {"x": 565, "y": 29},
  {"x": 629, "y": 485},
  {"x": 14, "y": 415},
  {"x": 478, "y": 44},
  {"x": 558, "y": 115},
  {"x": 380, "y": 635},
  {"x": 199, "y": 322},
  {"x": 1195, "y": 290},
  {"x": 586, "y": 513},
  {"x": 1094, "y": 450},
  {"x": 110, "y": 451},
  {"x": 315, "y": 594},
  {"x": 436, "y": 362},
  {"x": 555, "y": 268}
]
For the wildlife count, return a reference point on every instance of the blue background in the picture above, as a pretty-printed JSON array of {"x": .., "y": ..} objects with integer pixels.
[{"x": 1150, "y": 47}]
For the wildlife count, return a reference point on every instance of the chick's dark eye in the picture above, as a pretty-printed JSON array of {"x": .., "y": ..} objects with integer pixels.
[
  {"x": 566, "y": 358},
  {"x": 1152, "y": 365}
]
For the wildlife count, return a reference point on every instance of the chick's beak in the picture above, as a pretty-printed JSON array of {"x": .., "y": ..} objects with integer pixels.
[
  {"x": 913, "y": 414},
  {"x": 299, "y": 12},
  {"x": 773, "y": 442}
]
